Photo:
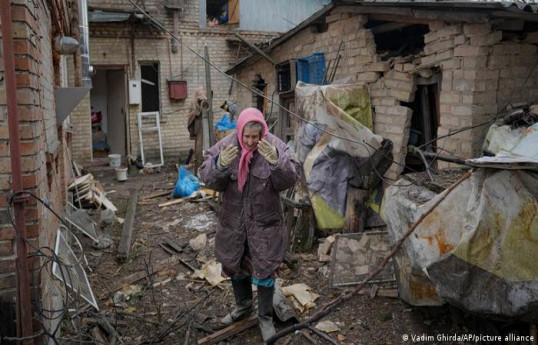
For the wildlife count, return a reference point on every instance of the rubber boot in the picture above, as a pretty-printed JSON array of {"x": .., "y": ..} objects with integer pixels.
[
  {"x": 265, "y": 312},
  {"x": 243, "y": 301}
]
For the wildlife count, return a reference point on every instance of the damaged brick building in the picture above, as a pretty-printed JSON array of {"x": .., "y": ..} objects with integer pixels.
[{"x": 431, "y": 67}]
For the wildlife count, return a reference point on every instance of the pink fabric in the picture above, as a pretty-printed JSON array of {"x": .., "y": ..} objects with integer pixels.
[{"x": 246, "y": 116}]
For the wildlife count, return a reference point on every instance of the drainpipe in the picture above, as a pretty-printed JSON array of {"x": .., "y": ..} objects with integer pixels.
[
  {"x": 24, "y": 308},
  {"x": 84, "y": 40},
  {"x": 176, "y": 29}
]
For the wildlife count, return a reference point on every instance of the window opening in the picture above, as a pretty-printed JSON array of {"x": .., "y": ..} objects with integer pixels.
[
  {"x": 397, "y": 39},
  {"x": 217, "y": 11},
  {"x": 150, "y": 87}
]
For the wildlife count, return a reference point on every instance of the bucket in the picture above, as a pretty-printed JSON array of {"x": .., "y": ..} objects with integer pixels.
[
  {"x": 121, "y": 174},
  {"x": 114, "y": 160}
]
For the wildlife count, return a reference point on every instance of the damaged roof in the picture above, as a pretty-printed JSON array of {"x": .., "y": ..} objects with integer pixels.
[{"x": 466, "y": 11}]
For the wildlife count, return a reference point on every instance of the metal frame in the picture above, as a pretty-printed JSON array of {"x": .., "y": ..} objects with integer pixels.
[
  {"x": 157, "y": 129},
  {"x": 71, "y": 271}
]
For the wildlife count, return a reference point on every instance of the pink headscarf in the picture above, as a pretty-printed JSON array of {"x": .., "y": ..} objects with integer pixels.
[{"x": 246, "y": 116}]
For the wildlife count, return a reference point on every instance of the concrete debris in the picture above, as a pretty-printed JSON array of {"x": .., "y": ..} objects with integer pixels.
[
  {"x": 356, "y": 255},
  {"x": 201, "y": 222},
  {"x": 324, "y": 249},
  {"x": 301, "y": 296},
  {"x": 327, "y": 326},
  {"x": 199, "y": 242},
  {"x": 211, "y": 271}
]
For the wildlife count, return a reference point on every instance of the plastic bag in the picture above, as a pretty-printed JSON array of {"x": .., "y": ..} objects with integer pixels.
[
  {"x": 186, "y": 183},
  {"x": 225, "y": 124}
]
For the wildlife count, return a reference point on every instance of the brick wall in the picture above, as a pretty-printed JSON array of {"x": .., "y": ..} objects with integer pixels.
[
  {"x": 42, "y": 164},
  {"x": 111, "y": 45},
  {"x": 480, "y": 75}
]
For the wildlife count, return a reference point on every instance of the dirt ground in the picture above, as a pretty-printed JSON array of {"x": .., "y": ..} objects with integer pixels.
[{"x": 170, "y": 306}]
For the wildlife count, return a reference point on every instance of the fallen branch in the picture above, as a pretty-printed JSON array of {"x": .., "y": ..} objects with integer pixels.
[{"x": 328, "y": 308}]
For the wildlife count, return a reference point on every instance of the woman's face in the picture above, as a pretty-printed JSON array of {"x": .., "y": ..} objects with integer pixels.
[{"x": 251, "y": 136}]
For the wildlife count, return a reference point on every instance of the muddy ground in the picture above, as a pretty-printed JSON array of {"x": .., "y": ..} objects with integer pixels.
[{"x": 171, "y": 306}]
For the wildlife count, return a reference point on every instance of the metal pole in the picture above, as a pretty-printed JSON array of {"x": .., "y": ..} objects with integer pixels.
[
  {"x": 209, "y": 97},
  {"x": 24, "y": 310}
]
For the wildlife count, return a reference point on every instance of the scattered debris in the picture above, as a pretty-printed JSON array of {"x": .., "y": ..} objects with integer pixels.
[
  {"x": 211, "y": 271},
  {"x": 124, "y": 247},
  {"x": 356, "y": 255},
  {"x": 324, "y": 249},
  {"x": 302, "y": 298},
  {"x": 327, "y": 326},
  {"x": 89, "y": 192},
  {"x": 230, "y": 330},
  {"x": 199, "y": 242}
]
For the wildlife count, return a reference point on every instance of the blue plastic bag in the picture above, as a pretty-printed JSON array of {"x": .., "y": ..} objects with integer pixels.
[
  {"x": 225, "y": 124},
  {"x": 186, "y": 183}
]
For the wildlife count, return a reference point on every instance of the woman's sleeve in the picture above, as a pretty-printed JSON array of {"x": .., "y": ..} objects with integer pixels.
[
  {"x": 213, "y": 177},
  {"x": 285, "y": 174}
]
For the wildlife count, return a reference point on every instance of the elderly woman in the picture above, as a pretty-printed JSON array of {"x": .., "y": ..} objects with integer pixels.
[{"x": 250, "y": 168}]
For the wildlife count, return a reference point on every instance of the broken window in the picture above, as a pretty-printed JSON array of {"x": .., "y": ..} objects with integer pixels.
[
  {"x": 150, "y": 87},
  {"x": 397, "y": 39}
]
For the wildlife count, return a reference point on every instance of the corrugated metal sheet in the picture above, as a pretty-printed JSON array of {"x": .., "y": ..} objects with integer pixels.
[
  {"x": 276, "y": 15},
  {"x": 525, "y": 6}
]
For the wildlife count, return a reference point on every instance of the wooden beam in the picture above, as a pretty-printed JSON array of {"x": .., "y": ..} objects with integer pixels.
[
  {"x": 229, "y": 331},
  {"x": 258, "y": 50},
  {"x": 398, "y": 19},
  {"x": 127, "y": 233},
  {"x": 158, "y": 194},
  {"x": 172, "y": 202},
  {"x": 388, "y": 27},
  {"x": 508, "y": 24},
  {"x": 438, "y": 14},
  {"x": 209, "y": 96}
]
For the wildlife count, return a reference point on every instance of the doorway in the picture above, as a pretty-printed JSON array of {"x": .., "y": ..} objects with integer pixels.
[
  {"x": 108, "y": 117},
  {"x": 424, "y": 122}
]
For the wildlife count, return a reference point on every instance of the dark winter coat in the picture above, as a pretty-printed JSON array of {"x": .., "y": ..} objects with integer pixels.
[{"x": 256, "y": 214}]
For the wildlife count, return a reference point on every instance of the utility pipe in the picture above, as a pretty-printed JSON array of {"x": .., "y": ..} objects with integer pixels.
[
  {"x": 24, "y": 310},
  {"x": 84, "y": 40}
]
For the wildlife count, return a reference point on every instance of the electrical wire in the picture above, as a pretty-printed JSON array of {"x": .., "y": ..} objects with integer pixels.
[
  {"x": 259, "y": 93},
  {"x": 42, "y": 315}
]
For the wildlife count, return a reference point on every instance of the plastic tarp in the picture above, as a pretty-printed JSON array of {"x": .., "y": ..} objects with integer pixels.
[
  {"x": 476, "y": 250},
  {"x": 513, "y": 151},
  {"x": 329, "y": 161}
]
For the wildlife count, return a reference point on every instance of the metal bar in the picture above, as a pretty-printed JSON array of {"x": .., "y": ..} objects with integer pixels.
[
  {"x": 433, "y": 155},
  {"x": 258, "y": 50},
  {"x": 209, "y": 97},
  {"x": 24, "y": 307}
]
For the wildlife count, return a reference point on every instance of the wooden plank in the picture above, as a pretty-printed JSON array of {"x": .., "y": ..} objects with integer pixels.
[
  {"x": 127, "y": 232},
  {"x": 388, "y": 27},
  {"x": 172, "y": 202},
  {"x": 230, "y": 330},
  {"x": 258, "y": 50},
  {"x": 233, "y": 12},
  {"x": 449, "y": 14},
  {"x": 355, "y": 210},
  {"x": 158, "y": 194},
  {"x": 172, "y": 245}
]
